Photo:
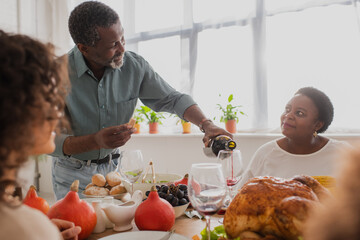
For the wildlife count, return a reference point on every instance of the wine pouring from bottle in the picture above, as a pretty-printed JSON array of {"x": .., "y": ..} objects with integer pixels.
[{"x": 221, "y": 142}]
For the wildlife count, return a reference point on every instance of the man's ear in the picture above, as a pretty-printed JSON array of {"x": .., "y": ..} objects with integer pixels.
[{"x": 83, "y": 49}]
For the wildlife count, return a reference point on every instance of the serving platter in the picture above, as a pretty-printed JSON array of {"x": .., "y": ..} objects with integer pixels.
[
  {"x": 115, "y": 196},
  {"x": 141, "y": 235}
]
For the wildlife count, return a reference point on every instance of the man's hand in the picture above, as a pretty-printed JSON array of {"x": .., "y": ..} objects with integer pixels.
[
  {"x": 68, "y": 229},
  {"x": 211, "y": 131},
  {"x": 113, "y": 137}
]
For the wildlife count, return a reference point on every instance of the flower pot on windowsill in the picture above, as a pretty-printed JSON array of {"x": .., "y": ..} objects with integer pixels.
[
  {"x": 153, "y": 127},
  {"x": 186, "y": 127},
  {"x": 137, "y": 126},
  {"x": 230, "y": 126}
]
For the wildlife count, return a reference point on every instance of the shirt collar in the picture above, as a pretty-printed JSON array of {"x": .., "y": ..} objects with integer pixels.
[{"x": 80, "y": 65}]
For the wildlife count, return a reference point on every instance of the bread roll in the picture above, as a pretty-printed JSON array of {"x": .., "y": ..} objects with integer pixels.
[
  {"x": 117, "y": 190},
  {"x": 89, "y": 185},
  {"x": 98, "y": 179},
  {"x": 96, "y": 191},
  {"x": 113, "y": 178}
]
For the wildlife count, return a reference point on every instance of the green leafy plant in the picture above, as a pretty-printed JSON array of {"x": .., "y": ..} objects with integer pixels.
[
  {"x": 179, "y": 120},
  {"x": 230, "y": 112},
  {"x": 151, "y": 115},
  {"x": 138, "y": 116}
]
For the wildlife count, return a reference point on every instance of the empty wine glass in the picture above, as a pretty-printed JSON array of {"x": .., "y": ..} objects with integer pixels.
[
  {"x": 206, "y": 189},
  {"x": 131, "y": 166},
  {"x": 232, "y": 167}
]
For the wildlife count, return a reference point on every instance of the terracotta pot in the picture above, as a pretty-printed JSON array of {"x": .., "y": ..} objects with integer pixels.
[
  {"x": 153, "y": 128},
  {"x": 186, "y": 127},
  {"x": 137, "y": 126},
  {"x": 230, "y": 126}
]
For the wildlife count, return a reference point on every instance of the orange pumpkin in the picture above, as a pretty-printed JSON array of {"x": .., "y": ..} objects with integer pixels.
[
  {"x": 184, "y": 180},
  {"x": 73, "y": 209},
  {"x": 34, "y": 201},
  {"x": 154, "y": 213}
]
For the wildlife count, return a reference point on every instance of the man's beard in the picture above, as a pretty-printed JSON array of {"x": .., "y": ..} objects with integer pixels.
[{"x": 117, "y": 65}]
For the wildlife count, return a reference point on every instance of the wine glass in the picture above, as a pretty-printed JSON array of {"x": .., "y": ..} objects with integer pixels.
[
  {"x": 206, "y": 189},
  {"x": 131, "y": 165},
  {"x": 232, "y": 167}
]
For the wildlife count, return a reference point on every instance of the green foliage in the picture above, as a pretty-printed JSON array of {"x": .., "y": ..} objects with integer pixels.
[
  {"x": 150, "y": 115},
  {"x": 179, "y": 119},
  {"x": 218, "y": 231},
  {"x": 230, "y": 112},
  {"x": 138, "y": 116}
]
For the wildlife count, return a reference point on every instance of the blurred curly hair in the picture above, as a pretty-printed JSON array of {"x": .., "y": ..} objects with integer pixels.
[
  {"x": 33, "y": 86},
  {"x": 86, "y": 18}
]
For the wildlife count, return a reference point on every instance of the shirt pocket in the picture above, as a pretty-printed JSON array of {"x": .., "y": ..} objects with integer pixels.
[{"x": 125, "y": 110}]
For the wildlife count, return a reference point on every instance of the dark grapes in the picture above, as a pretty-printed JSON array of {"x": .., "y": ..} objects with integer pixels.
[
  {"x": 183, "y": 201},
  {"x": 175, "y": 202},
  {"x": 175, "y": 195},
  {"x": 180, "y": 194},
  {"x": 162, "y": 195},
  {"x": 164, "y": 188},
  {"x": 169, "y": 198}
]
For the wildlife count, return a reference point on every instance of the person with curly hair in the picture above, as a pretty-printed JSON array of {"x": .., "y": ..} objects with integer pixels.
[
  {"x": 302, "y": 150},
  {"x": 32, "y": 91},
  {"x": 107, "y": 82}
]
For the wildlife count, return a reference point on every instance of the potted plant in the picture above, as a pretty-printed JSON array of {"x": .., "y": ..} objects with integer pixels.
[
  {"x": 186, "y": 125},
  {"x": 152, "y": 117},
  {"x": 138, "y": 119},
  {"x": 230, "y": 114}
]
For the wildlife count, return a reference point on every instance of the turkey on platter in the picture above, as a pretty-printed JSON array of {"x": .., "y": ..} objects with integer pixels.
[{"x": 273, "y": 208}]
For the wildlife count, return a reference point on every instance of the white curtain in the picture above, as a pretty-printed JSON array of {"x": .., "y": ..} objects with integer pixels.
[{"x": 45, "y": 20}]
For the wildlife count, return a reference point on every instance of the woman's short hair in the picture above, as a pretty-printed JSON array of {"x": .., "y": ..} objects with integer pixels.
[
  {"x": 322, "y": 103},
  {"x": 86, "y": 17}
]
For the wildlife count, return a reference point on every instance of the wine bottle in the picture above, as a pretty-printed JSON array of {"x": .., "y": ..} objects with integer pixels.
[{"x": 222, "y": 142}]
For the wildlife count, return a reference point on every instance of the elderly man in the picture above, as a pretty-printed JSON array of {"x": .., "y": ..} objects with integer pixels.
[{"x": 106, "y": 83}]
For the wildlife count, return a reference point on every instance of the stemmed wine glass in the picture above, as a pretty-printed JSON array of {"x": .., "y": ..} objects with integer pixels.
[
  {"x": 232, "y": 167},
  {"x": 206, "y": 189},
  {"x": 131, "y": 166}
]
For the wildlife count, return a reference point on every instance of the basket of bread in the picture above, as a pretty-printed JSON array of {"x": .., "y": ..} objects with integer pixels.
[{"x": 100, "y": 186}]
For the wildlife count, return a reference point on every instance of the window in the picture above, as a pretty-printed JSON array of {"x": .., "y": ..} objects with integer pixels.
[
  {"x": 318, "y": 47},
  {"x": 261, "y": 51}
]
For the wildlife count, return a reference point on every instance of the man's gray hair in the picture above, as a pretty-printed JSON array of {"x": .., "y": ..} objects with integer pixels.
[{"x": 86, "y": 17}]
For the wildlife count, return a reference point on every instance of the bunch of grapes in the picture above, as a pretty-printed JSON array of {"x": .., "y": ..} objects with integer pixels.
[{"x": 175, "y": 195}]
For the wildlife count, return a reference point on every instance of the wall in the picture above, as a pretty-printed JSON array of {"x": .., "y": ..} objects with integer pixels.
[{"x": 176, "y": 153}]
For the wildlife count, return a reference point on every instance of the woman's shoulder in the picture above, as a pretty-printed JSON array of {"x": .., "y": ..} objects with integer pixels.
[
  {"x": 333, "y": 143},
  {"x": 23, "y": 222}
]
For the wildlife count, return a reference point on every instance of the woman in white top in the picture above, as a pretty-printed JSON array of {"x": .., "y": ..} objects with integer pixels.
[
  {"x": 31, "y": 102},
  {"x": 301, "y": 150}
]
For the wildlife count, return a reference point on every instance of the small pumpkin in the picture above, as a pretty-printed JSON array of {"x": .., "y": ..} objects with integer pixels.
[
  {"x": 154, "y": 213},
  {"x": 33, "y": 200},
  {"x": 73, "y": 209},
  {"x": 184, "y": 180}
]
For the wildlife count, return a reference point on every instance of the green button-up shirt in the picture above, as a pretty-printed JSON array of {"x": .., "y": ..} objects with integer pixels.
[{"x": 95, "y": 104}]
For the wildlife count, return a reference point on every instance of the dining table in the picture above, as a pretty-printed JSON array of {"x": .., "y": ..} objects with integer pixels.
[{"x": 184, "y": 225}]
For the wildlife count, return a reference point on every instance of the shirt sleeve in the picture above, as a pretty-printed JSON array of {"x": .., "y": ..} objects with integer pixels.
[
  {"x": 59, "y": 142},
  {"x": 157, "y": 94}
]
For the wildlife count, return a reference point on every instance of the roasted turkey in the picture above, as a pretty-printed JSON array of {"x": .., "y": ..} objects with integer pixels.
[{"x": 273, "y": 208}]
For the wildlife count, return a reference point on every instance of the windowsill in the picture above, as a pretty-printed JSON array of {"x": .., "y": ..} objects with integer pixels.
[{"x": 238, "y": 134}]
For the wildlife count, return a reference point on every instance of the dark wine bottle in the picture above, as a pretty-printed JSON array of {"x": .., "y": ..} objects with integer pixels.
[{"x": 222, "y": 142}]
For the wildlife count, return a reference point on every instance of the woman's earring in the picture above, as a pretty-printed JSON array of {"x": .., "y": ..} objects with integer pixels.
[{"x": 315, "y": 134}]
